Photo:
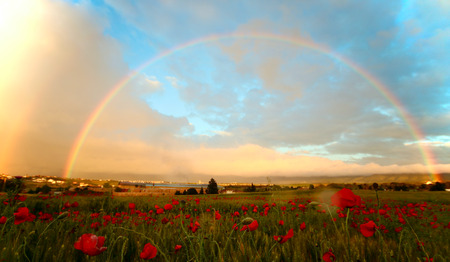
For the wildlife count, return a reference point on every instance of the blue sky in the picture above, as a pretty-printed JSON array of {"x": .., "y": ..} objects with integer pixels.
[{"x": 233, "y": 106}]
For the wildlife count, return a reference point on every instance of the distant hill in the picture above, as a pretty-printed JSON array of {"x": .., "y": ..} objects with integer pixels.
[
  {"x": 376, "y": 178},
  {"x": 362, "y": 179},
  {"x": 277, "y": 179}
]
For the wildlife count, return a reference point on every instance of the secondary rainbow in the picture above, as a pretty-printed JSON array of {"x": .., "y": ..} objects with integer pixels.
[{"x": 427, "y": 154}]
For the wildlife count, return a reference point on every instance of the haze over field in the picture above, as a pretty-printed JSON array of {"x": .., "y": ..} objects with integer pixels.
[{"x": 301, "y": 88}]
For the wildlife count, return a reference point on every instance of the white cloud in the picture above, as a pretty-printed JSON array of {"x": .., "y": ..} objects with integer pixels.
[
  {"x": 247, "y": 160},
  {"x": 173, "y": 81},
  {"x": 222, "y": 133},
  {"x": 153, "y": 83}
]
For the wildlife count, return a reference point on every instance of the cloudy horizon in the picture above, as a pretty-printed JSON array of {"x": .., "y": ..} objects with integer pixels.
[{"x": 241, "y": 105}]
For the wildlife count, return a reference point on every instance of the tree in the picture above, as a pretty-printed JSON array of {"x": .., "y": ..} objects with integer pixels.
[
  {"x": 311, "y": 186},
  {"x": 375, "y": 186},
  {"x": 201, "y": 191},
  {"x": 252, "y": 188},
  {"x": 46, "y": 189},
  {"x": 191, "y": 191},
  {"x": 212, "y": 187},
  {"x": 438, "y": 187}
]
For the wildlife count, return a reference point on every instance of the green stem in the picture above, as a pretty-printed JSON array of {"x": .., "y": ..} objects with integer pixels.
[
  {"x": 229, "y": 236},
  {"x": 268, "y": 253},
  {"x": 188, "y": 238},
  {"x": 255, "y": 247},
  {"x": 331, "y": 215},
  {"x": 110, "y": 248},
  {"x": 49, "y": 224},
  {"x": 348, "y": 233},
  {"x": 418, "y": 240},
  {"x": 399, "y": 245},
  {"x": 146, "y": 237}
]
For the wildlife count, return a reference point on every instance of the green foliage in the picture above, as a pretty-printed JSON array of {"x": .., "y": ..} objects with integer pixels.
[
  {"x": 191, "y": 191},
  {"x": 118, "y": 189},
  {"x": 46, "y": 189},
  {"x": 251, "y": 188},
  {"x": 438, "y": 187}
]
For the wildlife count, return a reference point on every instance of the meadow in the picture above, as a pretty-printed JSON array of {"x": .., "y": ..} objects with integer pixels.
[{"x": 297, "y": 225}]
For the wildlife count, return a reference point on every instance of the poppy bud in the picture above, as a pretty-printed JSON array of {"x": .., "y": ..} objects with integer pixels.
[{"x": 247, "y": 221}]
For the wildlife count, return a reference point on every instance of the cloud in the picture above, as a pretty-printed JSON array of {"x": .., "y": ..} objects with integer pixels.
[
  {"x": 255, "y": 96},
  {"x": 247, "y": 160},
  {"x": 57, "y": 74},
  {"x": 222, "y": 133}
]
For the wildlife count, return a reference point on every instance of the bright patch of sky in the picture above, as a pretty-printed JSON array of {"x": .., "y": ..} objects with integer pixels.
[
  {"x": 321, "y": 151},
  {"x": 389, "y": 112}
]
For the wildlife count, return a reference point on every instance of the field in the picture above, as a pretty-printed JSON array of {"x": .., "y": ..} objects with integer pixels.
[{"x": 274, "y": 226}]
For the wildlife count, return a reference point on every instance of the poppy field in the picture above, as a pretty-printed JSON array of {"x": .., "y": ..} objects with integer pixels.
[{"x": 342, "y": 225}]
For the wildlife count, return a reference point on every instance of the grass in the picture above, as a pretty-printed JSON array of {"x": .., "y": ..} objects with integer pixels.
[{"x": 426, "y": 216}]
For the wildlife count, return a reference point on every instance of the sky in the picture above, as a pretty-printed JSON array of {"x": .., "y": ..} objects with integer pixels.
[{"x": 188, "y": 90}]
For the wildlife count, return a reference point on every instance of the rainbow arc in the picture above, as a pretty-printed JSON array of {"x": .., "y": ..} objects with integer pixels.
[{"x": 414, "y": 128}]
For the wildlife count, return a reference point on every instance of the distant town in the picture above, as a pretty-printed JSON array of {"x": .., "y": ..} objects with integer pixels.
[{"x": 57, "y": 185}]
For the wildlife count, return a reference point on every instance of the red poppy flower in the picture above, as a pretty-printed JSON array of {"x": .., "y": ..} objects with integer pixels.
[
  {"x": 95, "y": 225},
  {"x": 149, "y": 251},
  {"x": 217, "y": 215},
  {"x": 159, "y": 211},
  {"x": 168, "y": 207},
  {"x": 74, "y": 204},
  {"x": 3, "y": 220},
  {"x": 368, "y": 229},
  {"x": 345, "y": 198},
  {"x": 45, "y": 216},
  {"x": 329, "y": 256},
  {"x": 177, "y": 248},
  {"x": 302, "y": 226},
  {"x": 251, "y": 227},
  {"x": 131, "y": 205},
  {"x": 20, "y": 198},
  {"x": 22, "y": 215},
  {"x": 90, "y": 244},
  {"x": 193, "y": 227},
  {"x": 281, "y": 222},
  {"x": 282, "y": 239}
]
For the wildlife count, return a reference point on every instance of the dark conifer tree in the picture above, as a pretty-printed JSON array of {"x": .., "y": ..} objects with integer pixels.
[{"x": 212, "y": 187}]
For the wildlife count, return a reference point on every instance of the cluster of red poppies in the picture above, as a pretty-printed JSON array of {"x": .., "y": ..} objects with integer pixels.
[{"x": 349, "y": 207}]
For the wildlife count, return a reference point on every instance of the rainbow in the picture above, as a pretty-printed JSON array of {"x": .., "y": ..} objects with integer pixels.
[{"x": 415, "y": 130}]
